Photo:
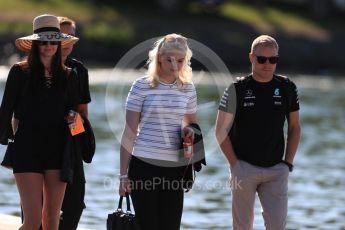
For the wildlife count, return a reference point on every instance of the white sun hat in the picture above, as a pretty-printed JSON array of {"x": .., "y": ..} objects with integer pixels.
[{"x": 46, "y": 28}]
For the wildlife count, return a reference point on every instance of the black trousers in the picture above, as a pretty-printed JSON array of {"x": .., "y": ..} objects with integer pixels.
[
  {"x": 157, "y": 195},
  {"x": 73, "y": 205}
]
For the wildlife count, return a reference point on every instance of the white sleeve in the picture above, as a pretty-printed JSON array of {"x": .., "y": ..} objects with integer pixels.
[
  {"x": 135, "y": 98},
  {"x": 192, "y": 100}
]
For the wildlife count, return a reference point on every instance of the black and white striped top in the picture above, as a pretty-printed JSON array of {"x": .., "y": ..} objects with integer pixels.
[{"x": 162, "y": 110}]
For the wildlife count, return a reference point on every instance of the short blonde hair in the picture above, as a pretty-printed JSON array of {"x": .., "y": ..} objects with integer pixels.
[
  {"x": 265, "y": 41},
  {"x": 163, "y": 45},
  {"x": 66, "y": 21}
]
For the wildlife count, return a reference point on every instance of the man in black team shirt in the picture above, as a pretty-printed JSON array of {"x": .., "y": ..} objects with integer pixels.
[
  {"x": 250, "y": 132},
  {"x": 73, "y": 203}
]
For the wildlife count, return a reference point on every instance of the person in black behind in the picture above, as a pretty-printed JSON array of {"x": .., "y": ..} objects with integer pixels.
[{"x": 73, "y": 203}]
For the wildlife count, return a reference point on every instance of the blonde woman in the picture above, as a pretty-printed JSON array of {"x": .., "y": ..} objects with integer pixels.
[{"x": 158, "y": 107}]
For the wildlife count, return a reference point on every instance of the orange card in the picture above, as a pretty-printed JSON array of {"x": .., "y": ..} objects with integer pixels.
[{"x": 78, "y": 127}]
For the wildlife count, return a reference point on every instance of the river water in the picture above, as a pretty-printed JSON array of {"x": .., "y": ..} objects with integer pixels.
[{"x": 316, "y": 187}]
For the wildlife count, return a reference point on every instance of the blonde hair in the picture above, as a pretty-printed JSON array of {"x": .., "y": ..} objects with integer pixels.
[
  {"x": 163, "y": 45},
  {"x": 66, "y": 21},
  {"x": 265, "y": 41}
]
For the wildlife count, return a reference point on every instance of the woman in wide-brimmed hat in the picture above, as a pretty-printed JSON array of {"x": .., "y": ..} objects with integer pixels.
[{"x": 39, "y": 93}]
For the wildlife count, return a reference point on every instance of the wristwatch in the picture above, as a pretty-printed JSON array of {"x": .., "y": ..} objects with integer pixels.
[{"x": 288, "y": 164}]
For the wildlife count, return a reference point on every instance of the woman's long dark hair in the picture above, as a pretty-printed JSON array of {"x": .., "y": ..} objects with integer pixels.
[{"x": 36, "y": 67}]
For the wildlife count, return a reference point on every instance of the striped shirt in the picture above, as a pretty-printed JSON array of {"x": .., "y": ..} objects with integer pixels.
[{"x": 162, "y": 110}]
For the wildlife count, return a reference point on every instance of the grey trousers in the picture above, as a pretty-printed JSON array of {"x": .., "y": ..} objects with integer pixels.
[{"x": 270, "y": 183}]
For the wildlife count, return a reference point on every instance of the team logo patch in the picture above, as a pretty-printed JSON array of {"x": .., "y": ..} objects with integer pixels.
[
  {"x": 276, "y": 93},
  {"x": 248, "y": 104},
  {"x": 249, "y": 94}
]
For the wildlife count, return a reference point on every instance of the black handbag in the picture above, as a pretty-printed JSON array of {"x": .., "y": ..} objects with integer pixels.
[
  {"x": 7, "y": 162},
  {"x": 120, "y": 220}
]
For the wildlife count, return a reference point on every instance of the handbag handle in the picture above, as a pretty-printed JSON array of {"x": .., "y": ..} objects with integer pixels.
[{"x": 128, "y": 203}]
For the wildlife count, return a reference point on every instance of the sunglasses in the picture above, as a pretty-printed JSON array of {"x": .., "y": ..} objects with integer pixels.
[
  {"x": 263, "y": 59},
  {"x": 44, "y": 43}
]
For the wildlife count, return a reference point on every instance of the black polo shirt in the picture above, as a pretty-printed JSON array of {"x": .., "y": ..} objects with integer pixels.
[{"x": 260, "y": 109}]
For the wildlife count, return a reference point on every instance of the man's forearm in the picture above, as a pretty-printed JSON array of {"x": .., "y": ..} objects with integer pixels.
[
  {"x": 293, "y": 140},
  {"x": 226, "y": 147}
]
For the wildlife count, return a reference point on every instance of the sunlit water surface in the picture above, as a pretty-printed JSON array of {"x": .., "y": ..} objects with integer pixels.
[{"x": 316, "y": 187}]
